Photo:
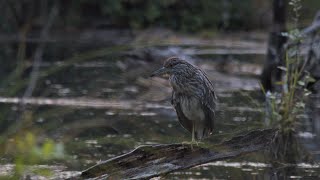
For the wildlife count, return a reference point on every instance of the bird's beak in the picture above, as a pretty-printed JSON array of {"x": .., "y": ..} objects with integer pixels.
[{"x": 160, "y": 72}]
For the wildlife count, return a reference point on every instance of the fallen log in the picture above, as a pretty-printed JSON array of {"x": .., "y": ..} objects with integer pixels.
[{"x": 156, "y": 160}]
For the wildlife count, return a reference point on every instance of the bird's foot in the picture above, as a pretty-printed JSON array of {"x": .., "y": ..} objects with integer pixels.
[{"x": 191, "y": 143}]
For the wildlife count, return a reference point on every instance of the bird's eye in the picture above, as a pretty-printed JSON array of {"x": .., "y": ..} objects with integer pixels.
[{"x": 172, "y": 65}]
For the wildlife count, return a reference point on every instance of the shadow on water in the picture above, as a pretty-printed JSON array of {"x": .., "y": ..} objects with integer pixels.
[{"x": 102, "y": 104}]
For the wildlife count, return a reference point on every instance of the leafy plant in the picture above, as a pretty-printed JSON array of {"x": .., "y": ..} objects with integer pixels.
[
  {"x": 285, "y": 107},
  {"x": 26, "y": 151}
]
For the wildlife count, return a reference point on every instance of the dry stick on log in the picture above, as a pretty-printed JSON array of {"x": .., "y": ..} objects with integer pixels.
[
  {"x": 314, "y": 26},
  {"x": 156, "y": 160},
  {"x": 308, "y": 31}
]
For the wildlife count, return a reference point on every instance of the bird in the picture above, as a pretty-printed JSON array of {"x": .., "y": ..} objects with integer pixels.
[{"x": 193, "y": 96}]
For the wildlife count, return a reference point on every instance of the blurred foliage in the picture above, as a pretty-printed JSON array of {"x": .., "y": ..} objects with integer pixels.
[
  {"x": 187, "y": 15},
  {"x": 183, "y": 15},
  {"x": 26, "y": 150}
]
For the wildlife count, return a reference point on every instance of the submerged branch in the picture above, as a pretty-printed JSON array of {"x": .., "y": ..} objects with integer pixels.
[{"x": 156, "y": 160}]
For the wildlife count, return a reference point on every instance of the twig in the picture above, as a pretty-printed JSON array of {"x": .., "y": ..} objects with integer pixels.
[
  {"x": 39, "y": 52},
  {"x": 35, "y": 67}
]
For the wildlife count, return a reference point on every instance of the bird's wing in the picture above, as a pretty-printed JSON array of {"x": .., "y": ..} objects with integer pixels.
[
  {"x": 209, "y": 103},
  {"x": 184, "y": 121},
  {"x": 209, "y": 97}
]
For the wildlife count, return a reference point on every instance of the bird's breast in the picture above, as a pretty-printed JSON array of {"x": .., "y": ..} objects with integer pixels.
[{"x": 191, "y": 108}]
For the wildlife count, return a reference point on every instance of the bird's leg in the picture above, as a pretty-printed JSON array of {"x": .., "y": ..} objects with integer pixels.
[
  {"x": 192, "y": 139},
  {"x": 192, "y": 136}
]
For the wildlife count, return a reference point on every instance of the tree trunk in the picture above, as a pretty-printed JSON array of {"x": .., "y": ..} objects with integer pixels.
[{"x": 275, "y": 55}]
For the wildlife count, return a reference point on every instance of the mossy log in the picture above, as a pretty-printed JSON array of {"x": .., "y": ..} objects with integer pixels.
[{"x": 150, "y": 161}]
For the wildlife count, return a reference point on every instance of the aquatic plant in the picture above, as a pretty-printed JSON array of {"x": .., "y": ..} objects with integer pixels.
[{"x": 284, "y": 108}]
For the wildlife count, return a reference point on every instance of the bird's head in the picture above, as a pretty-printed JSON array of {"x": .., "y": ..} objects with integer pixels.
[{"x": 172, "y": 66}]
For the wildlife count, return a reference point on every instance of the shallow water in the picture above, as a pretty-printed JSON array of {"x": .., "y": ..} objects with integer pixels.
[{"x": 102, "y": 103}]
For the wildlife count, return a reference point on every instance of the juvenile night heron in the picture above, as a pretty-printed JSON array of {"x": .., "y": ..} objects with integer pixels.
[{"x": 193, "y": 96}]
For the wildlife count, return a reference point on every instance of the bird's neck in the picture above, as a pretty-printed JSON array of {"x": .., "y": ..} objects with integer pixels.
[{"x": 178, "y": 83}]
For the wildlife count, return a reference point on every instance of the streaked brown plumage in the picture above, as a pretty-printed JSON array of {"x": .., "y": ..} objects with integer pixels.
[{"x": 193, "y": 96}]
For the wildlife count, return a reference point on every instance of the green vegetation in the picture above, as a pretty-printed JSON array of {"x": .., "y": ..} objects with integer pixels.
[
  {"x": 286, "y": 107},
  {"x": 179, "y": 15},
  {"x": 27, "y": 151}
]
